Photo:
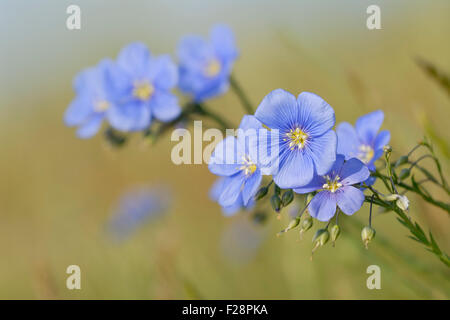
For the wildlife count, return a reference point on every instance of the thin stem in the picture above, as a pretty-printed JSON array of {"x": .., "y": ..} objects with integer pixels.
[
  {"x": 201, "y": 109},
  {"x": 420, "y": 159},
  {"x": 370, "y": 212},
  {"x": 245, "y": 102},
  {"x": 414, "y": 149}
]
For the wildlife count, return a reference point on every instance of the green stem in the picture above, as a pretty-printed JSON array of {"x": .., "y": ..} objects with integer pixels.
[{"x": 241, "y": 95}]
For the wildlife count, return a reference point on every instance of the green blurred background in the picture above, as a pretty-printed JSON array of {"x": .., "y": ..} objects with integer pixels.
[{"x": 57, "y": 191}]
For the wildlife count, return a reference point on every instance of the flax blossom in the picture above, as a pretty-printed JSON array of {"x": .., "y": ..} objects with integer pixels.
[
  {"x": 335, "y": 188},
  {"x": 306, "y": 142}
]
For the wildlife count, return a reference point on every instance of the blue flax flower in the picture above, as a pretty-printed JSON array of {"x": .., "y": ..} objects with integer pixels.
[
  {"x": 136, "y": 207},
  {"x": 94, "y": 99},
  {"x": 205, "y": 66},
  {"x": 305, "y": 143},
  {"x": 363, "y": 142},
  {"x": 335, "y": 188},
  {"x": 142, "y": 87},
  {"x": 236, "y": 161}
]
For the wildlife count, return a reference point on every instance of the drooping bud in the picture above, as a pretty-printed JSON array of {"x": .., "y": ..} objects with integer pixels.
[
  {"x": 306, "y": 224},
  {"x": 261, "y": 193},
  {"x": 287, "y": 198},
  {"x": 320, "y": 239},
  {"x": 400, "y": 200},
  {"x": 277, "y": 190},
  {"x": 292, "y": 224},
  {"x": 275, "y": 201},
  {"x": 401, "y": 161},
  {"x": 404, "y": 174},
  {"x": 335, "y": 232},
  {"x": 367, "y": 234}
]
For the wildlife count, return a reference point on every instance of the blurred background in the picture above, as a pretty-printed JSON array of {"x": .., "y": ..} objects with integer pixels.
[{"x": 58, "y": 193}]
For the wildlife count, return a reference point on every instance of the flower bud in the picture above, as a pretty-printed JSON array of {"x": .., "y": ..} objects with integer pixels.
[
  {"x": 277, "y": 190},
  {"x": 402, "y": 160},
  {"x": 404, "y": 174},
  {"x": 261, "y": 193},
  {"x": 367, "y": 234},
  {"x": 402, "y": 202},
  {"x": 309, "y": 197},
  {"x": 287, "y": 198},
  {"x": 387, "y": 149},
  {"x": 320, "y": 238},
  {"x": 275, "y": 201},
  {"x": 335, "y": 232},
  {"x": 306, "y": 224},
  {"x": 294, "y": 223}
]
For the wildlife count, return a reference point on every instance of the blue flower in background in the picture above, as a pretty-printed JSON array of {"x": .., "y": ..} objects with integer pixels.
[
  {"x": 136, "y": 207},
  {"x": 142, "y": 85},
  {"x": 236, "y": 160},
  {"x": 306, "y": 142},
  {"x": 363, "y": 142},
  {"x": 94, "y": 99},
  {"x": 335, "y": 188},
  {"x": 229, "y": 210},
  {"x": 205, "y": 66}
]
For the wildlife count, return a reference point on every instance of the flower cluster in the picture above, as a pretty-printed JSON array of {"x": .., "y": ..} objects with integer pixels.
[{"x": 136, "y": 89}]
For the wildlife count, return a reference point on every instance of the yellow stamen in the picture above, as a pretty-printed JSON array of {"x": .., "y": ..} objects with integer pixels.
[
  {"x": 101, "y": 106},
  {"x": 332, "y": 185},
  {"x": 213, "y": 68},
  {"x": 248, "y": 166},
  {"x": 366, "y": 153},
  {"x": 143, "y": 90},
  {"x": 297, "y": 138}
]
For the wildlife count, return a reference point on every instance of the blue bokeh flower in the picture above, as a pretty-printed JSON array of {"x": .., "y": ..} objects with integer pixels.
[
  {"x": 94, "y": 99},
  {"x": 205, "y": 66},
  {"x": 363, "y": 141},
  {"x": 306, "y": 141},
  {"x": 142, "y": 87},
  {"x": 335, "y": 188},
  {"x": 236, "y": 161},
  {"x": 137, "y": 207}
]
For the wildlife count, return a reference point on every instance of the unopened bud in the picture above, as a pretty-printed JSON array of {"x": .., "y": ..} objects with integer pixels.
[
  {"x": 320, "y": 238},
  {"x": 401, "y": 201},
  {"x": 287, "y": 198},
  {"x": 261, "y": 193},
  {"x": 294, "y": 223},
  {"x": 367, "y": 234},
  {"x": 401, "y": 161},
  {"x": 335, "y": 232},
  {"x": 277, "y": 190},
  {"x": 387, "y": 149},
  {"x": 309, "y": 197},
  {"x": 306, "y": 224},
  {"x": 275, "y": 201},
  {"x": 404, "y": 174}
]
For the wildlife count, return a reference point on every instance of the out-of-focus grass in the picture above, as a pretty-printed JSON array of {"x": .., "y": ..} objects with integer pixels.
[{"x": 57, "y": 191}]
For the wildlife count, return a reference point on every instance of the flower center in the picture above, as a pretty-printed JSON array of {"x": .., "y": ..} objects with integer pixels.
[
  {"x": 101, "y": 106},
  {"x": 366, "y": 153},
  {"x": 248, "y": 166},
  {"x": 297, "y": 138},
  {"x": 143, "y": 90},
  {"x": 212, "y": 68},
  {"x": 332, "y": 184}
]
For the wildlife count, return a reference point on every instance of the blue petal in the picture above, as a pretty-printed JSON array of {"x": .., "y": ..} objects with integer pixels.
[
  {"x": 250, "y": 122},
  {"x": 337, "y": 166},
  {"x": 129, "y": 117},
  {"x": 135, "y": 59},
  {"x": 316, "y": 116},
  {"x": 193, "y": 51},
  {"x": 296, "y": 169},
  {"x": 163, "y": 72},
  {"x": 323, "y": 206},
  {"x": 370, "y": 181},
  {"x": 164, "y": 106},
  {"x": 322, "y": 151},
  {"x": 371, "y": 164},
  {"x": 231, "y": 189},
  {"x": 79, "y": 110},
  {"x": 90, "y": 127},
  {"x": 347, "y": 140},
  {"x": 349, "y": 199},
  {"x": 368, "y": 125},
  {"x": 316, "y": 183},
  {"x": 224, "y": 160},
  {"x": 278, "y": 110},
  {"x": 251, "y": 186},
  {"x": 382, "y": 139},
  {"x": 222, "y": 39},
  {"x": 354, "y": 171}
]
